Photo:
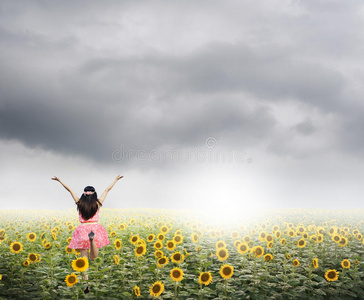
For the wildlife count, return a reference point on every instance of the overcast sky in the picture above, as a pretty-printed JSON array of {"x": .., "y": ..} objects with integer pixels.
[{"x": 199, "y": 104}]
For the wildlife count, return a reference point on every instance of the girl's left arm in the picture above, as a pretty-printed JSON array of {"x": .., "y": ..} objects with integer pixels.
[
  {"x": 104, "y": 194},
  {"x": 73, "y": 194}
]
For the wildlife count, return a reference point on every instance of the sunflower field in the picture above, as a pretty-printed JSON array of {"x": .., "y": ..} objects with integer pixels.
[{"x": 173, "y": 254}]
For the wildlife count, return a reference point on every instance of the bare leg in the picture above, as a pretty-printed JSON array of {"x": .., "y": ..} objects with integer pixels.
[
  {"x": 84, "y": 253},
  {"x": 94, "y": 251}
]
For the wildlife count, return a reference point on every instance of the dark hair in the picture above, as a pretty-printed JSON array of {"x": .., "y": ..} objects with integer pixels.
[{"x": 88, "y": 204}]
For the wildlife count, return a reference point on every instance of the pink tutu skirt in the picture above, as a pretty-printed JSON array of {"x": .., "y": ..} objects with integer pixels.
[{"x": 80, "y": 239}]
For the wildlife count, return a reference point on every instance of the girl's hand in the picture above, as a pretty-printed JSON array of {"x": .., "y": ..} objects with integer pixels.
[
  {"x": 118, "y": 177},
  {"x": 56, "y": 178}
]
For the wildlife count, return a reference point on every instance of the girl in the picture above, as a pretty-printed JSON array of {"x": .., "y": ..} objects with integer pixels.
[{"x": 89, "y": 235}]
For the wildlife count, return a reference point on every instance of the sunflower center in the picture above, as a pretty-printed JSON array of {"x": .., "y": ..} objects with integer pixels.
[
  {"x": 331, "y": 274},
  {"x": 16, "y": 247},
  {"x": 118, "y": 244},
  {"x": 222, "y": 253},
  {"x": 156, "y": 288},
  {"x": 140, "y": 250},
  {"x": 243, "y": 248},
  {"x": 31, "y": 236},
  {"x": 177, "y": 238},
  {"x": 176, "y": 273},
  {"x": 32, "y": 257},
  {"x": 258, "y": 251},
  {"x": 177, "y": 256},
  {"x": 205, "y": 277},
  {"x": 80, "y": 263},
  {"x": 71, "y": 279},
  {"x": 226, "y": 271},
  {"x": 162, "y": 261},
  {"x": 134, "y": 239}
]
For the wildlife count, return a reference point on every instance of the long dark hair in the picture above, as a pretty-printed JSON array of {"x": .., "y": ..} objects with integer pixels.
[{"x": 88, "y": 204}]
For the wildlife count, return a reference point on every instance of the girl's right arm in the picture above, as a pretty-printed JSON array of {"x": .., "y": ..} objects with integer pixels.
[{"x": 73, "y": 194}]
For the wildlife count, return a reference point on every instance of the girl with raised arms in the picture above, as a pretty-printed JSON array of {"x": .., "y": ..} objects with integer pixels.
[{"x": 89, "y": 235}]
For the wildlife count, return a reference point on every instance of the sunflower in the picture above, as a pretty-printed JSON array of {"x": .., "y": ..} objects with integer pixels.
[
  {"x": 31, "y": 236},
  {"x": 176, "y": 274},
  {"x": 178, "y": 239},
  {"x": 234, "y": 235},
  {"x": 205, "y": 278},
  {"x": 270, "y": 245},
  {"x": 345, "y": 264},
  {"x": 117, "y": 244},
  {"x": 158, "y": 245},
  {"x": 296, "y": 263},
  {"x": 113, "y": 233},
  {"x": 162, "y": 261},
  {"x": 158, "y": 253},
  {"x": 283, "y": 241},
  {"x": 156, "y": 289},
  {"x": 336, "y": 238},
  {"x": 246, "y": 239},
  {"x": 116, "y": 259},
  {"x": 257, "y": 251},
  {"x": 47, "y": 245},
  {"x": 26, "y": 263},
  {"x": 343, "y": 242},
  {"x": 332, "y": 275},
  {"x": 134, "y": 239},
  {"x": 171, "y": 245},
  {"x": 315, "y": 263},
  {"x": 80, "y": 264},
  {"x": 243, "y": 248},
  {"x": 161, "y": 237},
  {"x": 194, "y": 237},
  {"x": 136, "y": 291},
  {"x": 301, "y": 243},
  {"x": 262, "y": 236},
  {"x": 220, "y": 244},
  {"x": 237, "y": 243},
  {"x": 140, "y": 250},
  {"x": 277, "y": 234},
  {"x": 71, "y": 280},
  {"x": 177, "y": 257},
  {"x": 268, "y": 257},
  {"x": 269, "y": 238},
  {"x": 16, "y": 247},
  {"x": 320, "y": 238},
  {"x": 226, "y": 271},
  {"x": 222, "y": 254},
  {"x": 291, "y": 233},
  {"x": 32, "y": 257},
  {"x": 54, "y": 236},
  {"x": 150, "y": 238}
]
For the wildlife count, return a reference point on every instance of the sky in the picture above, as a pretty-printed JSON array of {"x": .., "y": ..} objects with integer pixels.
[{"x": 217, "y": 105}]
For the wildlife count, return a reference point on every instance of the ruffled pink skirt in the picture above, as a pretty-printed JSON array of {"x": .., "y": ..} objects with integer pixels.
[{"x": 80, "y": 239}]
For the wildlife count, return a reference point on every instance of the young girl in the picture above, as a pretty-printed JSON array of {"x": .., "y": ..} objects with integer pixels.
[{"x": 89, "y": 235}]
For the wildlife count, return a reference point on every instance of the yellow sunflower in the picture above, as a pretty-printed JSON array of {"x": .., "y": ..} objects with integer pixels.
[
  {"x": 237, "y": 243},
  {"x": 16, "y": 247},
  {"x": 32, "y": 257},
  {"x": 268, "y": 257},
  {"x": 26, "y": 263},
  {"x": 226, "y": 271},
  {"x": 140, "y": 250},
  {"x": 31, "y": 236},
  {"x": 71, "y": 280},
  {"x": 171, "y": 245},
  {"x": 194, "y": 237},
  {"x": 116, "y": 259},
  {"x": 117, "y": 244},
  {"x": 156, "y": 289},
  {"x": 176, "y": 274},
  {"x": 134, "y": 239},
  {"x": 158, "y": 245},
  {"x": 162, "y": 261},
  {"x": 150, "y": 238},
  {"x": 164, "y": 229},
  {"x": 296, "y": 263},
  {"x": 257, "y": 251},
  {"x": 136, "y": 291},
  {"x": 243, "y": 248},
  {"x": 113, "y": 233},
  {"x": 205, "y": 278},
  {"x": 332, "y": 275},
  {"x": 158, "y": 253},
  {"x": 246, "y": 239},
  {"x": 301, "y": 243},
  {"x": 345, "y": 264},
  {"x": 234, "y": 235},
  {"x": 343, "y": 242},
  {"x": 222, "y": 254},
  {"x": 80, "y": 264},
  {"x": 68, "y": 250},
  {"x": 315, "y": 263},
  {"x": 161, "y": 237},
  {"x": 269, "y": 238},
  {"x": 178, "y": 239},
  {"x": 177, "y": 257},
  {"x": 220, "y": 244}
]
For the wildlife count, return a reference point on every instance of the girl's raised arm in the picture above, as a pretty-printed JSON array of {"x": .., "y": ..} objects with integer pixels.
[
  {"x": 73, "y": 194},
  {"x": 104, "y": 194}
]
